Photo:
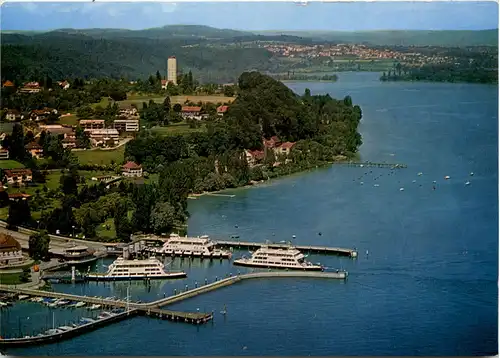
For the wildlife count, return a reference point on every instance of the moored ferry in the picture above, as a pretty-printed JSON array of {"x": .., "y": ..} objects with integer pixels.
[
  {"x": 122, "y": 269},
  {"x": 200, "y": 246},
  {"x": 278, "y": 258}
]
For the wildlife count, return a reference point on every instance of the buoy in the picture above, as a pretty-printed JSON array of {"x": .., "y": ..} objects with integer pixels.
[
  {"x": 471, "y": 174},
  {"x": 294, "y": 236}
]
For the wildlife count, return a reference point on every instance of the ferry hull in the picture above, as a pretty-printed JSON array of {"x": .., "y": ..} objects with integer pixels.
[
  {"x": 247, "y": 264},
  {"x": 169, "y": 276}
]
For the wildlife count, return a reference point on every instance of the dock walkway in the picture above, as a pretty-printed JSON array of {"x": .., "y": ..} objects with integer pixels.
[
  {"x": 151, "y": 309},
  {"x": 316, "y": 249}
]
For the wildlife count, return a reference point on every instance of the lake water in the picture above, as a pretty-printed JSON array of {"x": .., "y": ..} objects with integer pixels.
[{"x": 425, "y": 282}]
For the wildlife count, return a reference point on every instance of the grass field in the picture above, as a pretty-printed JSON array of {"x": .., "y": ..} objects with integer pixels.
[
  {"x": 10, "y": 278},
  {"x": 176, "y": 128},
  {"x": 101, "y": 157},
  {"x": 138, "y": 99},
  {"x": 69, "y": 120},
  {"x": 104, "y": 232},
  {"x": 10, "y": 164}
]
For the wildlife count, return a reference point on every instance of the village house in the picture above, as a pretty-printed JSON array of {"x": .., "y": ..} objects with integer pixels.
[
  {"x": 164, "y": 84},
  {"x": 63, "y": 84},
  {"x": 18, "y": 176},
  {"x": 19, "y": 196},
  {"x": 8, "y": 84},
  {"x": 31, "y": 87},
  {"x": 4, "y": 154},
  {"x": 10, "y": 251},
  {"x": 284, "y": 148},
  {"x": 57, "y": 129},
  {"x": 254, "y": 157},
  {"x": 13, "y": 115},
  {"x": 69, "y": 142},
  {"x": 92, "y": 123},
  {"x": 271, "y": 143},
  {"x": 35, "y": 149},
  {"x": 221, "y": 110},
  {"x": 41, "y": 114},
  {"x": 192, "y": 112},
  {"x": 100, "y": 136},
  {"x": 128, "y": 111},
  {"x": 126, "y": 125},
  {"x": 131, "y": 169}
]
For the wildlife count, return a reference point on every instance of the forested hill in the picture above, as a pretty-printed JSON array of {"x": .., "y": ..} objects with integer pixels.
[{"x": 62, "y": 55}]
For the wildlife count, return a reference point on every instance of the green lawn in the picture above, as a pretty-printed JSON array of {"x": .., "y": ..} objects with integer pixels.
[
  {"x": 69, "y": 120},
  {"x": 10, "y": 164},
  {"x": 101, "y": 157},
  {"x": 105, "y": 233},
  {"x": 176, "y": 128},
  {"x": 10, "y": 278}
]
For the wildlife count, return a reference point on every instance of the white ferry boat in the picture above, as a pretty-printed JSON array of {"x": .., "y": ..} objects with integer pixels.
[
  {"x": 280, "y": 258},
  {"x": 122, "y": 269},
  {"x": 200, "y": 246}
]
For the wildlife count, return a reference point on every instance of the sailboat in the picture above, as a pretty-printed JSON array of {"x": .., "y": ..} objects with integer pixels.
[{"x": 224, "y": 311}]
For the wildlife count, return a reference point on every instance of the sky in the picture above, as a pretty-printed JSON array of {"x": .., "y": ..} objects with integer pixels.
[{"x": 353, "y": 16}]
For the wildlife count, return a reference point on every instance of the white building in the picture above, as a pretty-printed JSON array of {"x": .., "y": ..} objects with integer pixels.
[
  {"x": 172, "y": 70},
  {"x": 126, "y": 125}
]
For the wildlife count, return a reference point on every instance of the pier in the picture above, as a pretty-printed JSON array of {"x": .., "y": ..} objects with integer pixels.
[
  {"x": 151, "y": 309},
  {"x": 306, "y": 248}
]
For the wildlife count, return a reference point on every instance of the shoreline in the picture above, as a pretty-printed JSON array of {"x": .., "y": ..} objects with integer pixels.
[{"x": 255, "y": 184}]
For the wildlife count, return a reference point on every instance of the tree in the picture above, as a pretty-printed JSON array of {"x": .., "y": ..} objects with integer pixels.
[
  {"x": 25, "y": 276},
  {"x": 177, "y": 108},
  {"x": 19, "y": 213},
  {"x": 85, "y": 112},
  {"x": 166, "y": 104},
  {"x": 158, "y": 76},
  {"x": 39, "y": 244},
  {"x": 307, "y": 92},
  {"x": 69, "y": 184},
  {"x": 229, "y": 91},
  {"x": 123, "y": 226},
  {"x": 4, "y": 199},
  {"x": 162, "y": 218}
]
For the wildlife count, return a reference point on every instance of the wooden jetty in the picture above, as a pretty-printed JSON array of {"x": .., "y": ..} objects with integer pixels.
[
  {"x": 306, "y": 248},
  {"x": 373, "y": 165}
]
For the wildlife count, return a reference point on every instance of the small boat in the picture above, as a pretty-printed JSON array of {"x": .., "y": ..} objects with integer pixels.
[
  {"x": 65, "y": 328},
  {"x": 401, "y": 189},
  {"x": 420, "y": 174},
  {"x": 3, "y": 304},
  {"x": 53, "y": 331},
  {"x": 376, "y": 185},
  {"x": 62, "y": 302},
  {"x": 86, "y": 320},
  {"x": 467, "y": 183},
  {"x": 22, "y": 297},
  {"x": 471, "y": 174},
  {"x": 79, "y": 304},
  {"x": 37, "y": 299},
  {"x": 95, "y": 307},
  {"x": 447, "y": 177},
  {"x": 53, "y": 304}
]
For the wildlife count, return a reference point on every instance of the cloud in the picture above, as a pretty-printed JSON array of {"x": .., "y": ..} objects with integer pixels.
[
  {"x": 168, "y": 7},
  {"x": 29, "y": 6}
]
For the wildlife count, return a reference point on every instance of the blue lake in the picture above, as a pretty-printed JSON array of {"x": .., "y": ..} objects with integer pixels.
[{"x": 425, "y": 282}]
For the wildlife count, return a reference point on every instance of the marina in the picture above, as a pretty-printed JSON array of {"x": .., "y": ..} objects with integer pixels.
[{"x": 128, "y": 309}]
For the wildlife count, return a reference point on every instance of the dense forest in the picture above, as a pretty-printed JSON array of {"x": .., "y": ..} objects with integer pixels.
[{"x": 468, "y": 72}]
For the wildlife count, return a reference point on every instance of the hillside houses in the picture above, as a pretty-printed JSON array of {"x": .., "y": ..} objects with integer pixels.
[
  {"x": 221, "y": 110},
  {"x": 35, "y": 149},
  {"x": 30, "y": 87},
  {"x": 274, "y": 145},
  {"x": 13, "y": 115},
  {"x": 18, "y": 176},
  {"x": 192, "y": 112},
  {"x": 38, "y": 115}
]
